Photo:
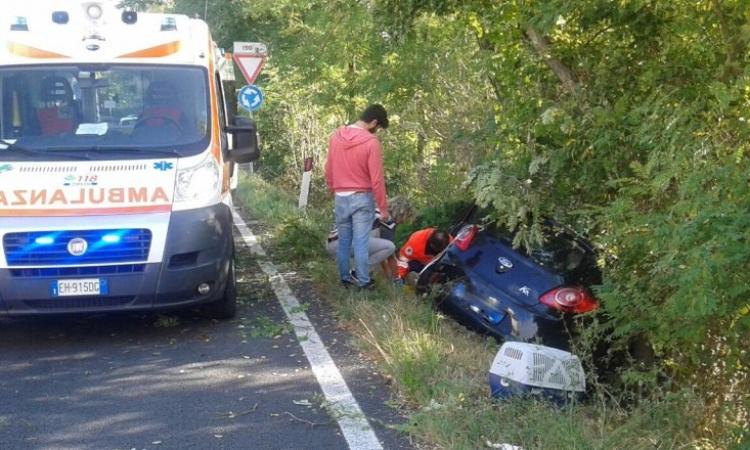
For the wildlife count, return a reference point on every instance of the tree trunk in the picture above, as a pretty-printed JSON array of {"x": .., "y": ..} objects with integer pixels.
[{"x": 563, "y": 73}]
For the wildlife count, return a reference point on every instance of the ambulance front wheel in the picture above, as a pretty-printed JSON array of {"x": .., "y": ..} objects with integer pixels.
[{"x": 226, "y": 307}]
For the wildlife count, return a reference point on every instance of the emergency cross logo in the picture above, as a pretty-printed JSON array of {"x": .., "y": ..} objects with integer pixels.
[{"x": 163, "y": 166}]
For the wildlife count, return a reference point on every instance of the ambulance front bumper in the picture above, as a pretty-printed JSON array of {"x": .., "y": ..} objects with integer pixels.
[{"x": 197, "y": 249}]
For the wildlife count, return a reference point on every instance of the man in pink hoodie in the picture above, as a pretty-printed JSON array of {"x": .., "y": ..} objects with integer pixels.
[{"x": 354, "y": 173}]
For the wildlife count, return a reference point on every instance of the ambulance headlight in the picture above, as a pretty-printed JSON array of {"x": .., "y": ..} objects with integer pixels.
[{"x": 198, "y": 186}]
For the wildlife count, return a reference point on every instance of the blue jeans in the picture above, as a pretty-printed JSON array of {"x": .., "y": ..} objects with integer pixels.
[{"x": 354, "y": 216}]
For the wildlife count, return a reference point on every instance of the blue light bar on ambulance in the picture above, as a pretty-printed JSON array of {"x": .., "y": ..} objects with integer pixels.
[
  {"x": 60, "y": 17},
  {"x": 111, "y": 238},
  {"x": 19, "y": 24},
  {"x": 24, "y": 248}
]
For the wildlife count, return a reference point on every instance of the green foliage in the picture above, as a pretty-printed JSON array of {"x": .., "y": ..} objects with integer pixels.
[
  {"x": 439, "y": 369},
  {"x": 628, "y": 120},
  {"x": 649, "y": 161},
  {"x": 141, "y": 5},
  {"x": 273, "y": 205},
  {"x": 265, "y": 327},
  {"x": 445, "y": 215},
  {"x": 299, "y": 235},
  {"x": 300, "y": 240}
]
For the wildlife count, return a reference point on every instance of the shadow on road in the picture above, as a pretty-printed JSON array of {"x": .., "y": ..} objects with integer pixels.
[{"x": 157, "y": 381}]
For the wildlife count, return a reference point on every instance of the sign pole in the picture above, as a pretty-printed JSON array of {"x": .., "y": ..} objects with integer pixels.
[{"x": 250, "y": 57}]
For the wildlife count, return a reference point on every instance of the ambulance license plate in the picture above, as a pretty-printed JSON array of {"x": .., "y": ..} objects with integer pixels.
[{"x": 80, "y": 287}]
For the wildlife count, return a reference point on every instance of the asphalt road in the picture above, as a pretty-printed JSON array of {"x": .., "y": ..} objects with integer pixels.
[{"x": 181, "y": 381}]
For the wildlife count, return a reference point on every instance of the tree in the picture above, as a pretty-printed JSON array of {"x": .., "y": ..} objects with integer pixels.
[{"x": 627, "y": 120}]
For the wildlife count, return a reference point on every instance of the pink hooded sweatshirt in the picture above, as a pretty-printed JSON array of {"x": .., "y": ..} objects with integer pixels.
[{"x": 355, "y": 163}]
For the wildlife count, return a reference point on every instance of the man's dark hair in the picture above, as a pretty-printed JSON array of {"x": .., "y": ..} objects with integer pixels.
[
  {"x": 438, "y": 240},
  {"x": 375, "y": 112}
]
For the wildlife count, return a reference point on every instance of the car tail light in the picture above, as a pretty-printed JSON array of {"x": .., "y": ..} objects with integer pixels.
[
  {"x": 465, "y": 236},
  {"x": 570, "y": 299}
]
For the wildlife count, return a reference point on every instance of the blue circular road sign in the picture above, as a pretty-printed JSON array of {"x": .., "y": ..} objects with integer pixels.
[{"x": 250, "y": 98}]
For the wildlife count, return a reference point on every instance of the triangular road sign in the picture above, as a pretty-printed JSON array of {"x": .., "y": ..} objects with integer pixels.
[
  {"x": 250, "y": 65},
  {"x": 250, "y": 57}
]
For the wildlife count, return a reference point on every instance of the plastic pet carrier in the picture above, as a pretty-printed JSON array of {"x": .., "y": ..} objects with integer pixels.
[{"x": 528, "y": 369}]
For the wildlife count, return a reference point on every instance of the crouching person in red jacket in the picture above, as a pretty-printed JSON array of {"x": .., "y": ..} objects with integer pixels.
[{"x": 421, "y": 248}]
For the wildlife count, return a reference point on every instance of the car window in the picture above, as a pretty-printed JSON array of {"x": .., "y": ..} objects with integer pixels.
[{"x": 562, "y": 251}]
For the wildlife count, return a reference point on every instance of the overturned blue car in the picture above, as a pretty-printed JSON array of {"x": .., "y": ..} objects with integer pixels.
[{"x": 514, "y": 294}]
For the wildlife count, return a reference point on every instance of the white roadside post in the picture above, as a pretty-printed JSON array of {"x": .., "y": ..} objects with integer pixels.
[{"x": 304, "y": 189}]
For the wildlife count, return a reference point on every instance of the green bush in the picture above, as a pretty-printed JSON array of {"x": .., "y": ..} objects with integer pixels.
[
  {"x": 627, "y": 120},
  {"x": 299, "y": 240}
]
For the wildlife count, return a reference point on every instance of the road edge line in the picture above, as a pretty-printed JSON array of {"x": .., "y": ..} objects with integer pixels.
[{"x": 357, "y": 431}]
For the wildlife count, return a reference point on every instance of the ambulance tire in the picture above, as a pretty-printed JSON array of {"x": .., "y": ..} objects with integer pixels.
[{"x": 226, "y": 307}]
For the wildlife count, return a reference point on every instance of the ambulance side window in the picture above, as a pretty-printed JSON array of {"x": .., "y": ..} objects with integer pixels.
[{"x": 222, "y": 113}]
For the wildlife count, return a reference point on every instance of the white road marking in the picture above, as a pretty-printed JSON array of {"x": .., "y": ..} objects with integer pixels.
[{"x": 352, "y": 421}]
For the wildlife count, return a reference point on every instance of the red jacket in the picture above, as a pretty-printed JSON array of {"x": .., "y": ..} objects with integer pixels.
[
  {"x": 415, "y": 249},
  {"x": 355, "y": 163}
]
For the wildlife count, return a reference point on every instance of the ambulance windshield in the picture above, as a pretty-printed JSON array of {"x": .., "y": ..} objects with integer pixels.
[{"x": 107, "y": 108}]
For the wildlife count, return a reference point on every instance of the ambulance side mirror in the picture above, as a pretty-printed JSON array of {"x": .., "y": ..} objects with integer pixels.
[{"x": 246, "y": 147}]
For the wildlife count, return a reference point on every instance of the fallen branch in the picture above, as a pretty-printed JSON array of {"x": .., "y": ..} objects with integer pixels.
[
  {"x": 312, "y": 424},
  {"x": 231, "y": 415}
]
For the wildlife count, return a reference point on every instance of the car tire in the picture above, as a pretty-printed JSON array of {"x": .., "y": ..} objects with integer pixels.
[{"x": 226, "y": 307}]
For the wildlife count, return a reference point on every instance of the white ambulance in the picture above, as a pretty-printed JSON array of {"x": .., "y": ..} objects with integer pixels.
[{"x": 116, "y": 162}]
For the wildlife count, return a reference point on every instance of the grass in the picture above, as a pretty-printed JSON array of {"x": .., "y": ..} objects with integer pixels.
[{"x": 439, "y": 369}]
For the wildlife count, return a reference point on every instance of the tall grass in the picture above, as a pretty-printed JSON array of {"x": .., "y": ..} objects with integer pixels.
[{"x": 439, "y": 369}]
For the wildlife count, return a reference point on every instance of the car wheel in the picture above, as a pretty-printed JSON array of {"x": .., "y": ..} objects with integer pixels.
[{"x": 226, "y": 307}]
